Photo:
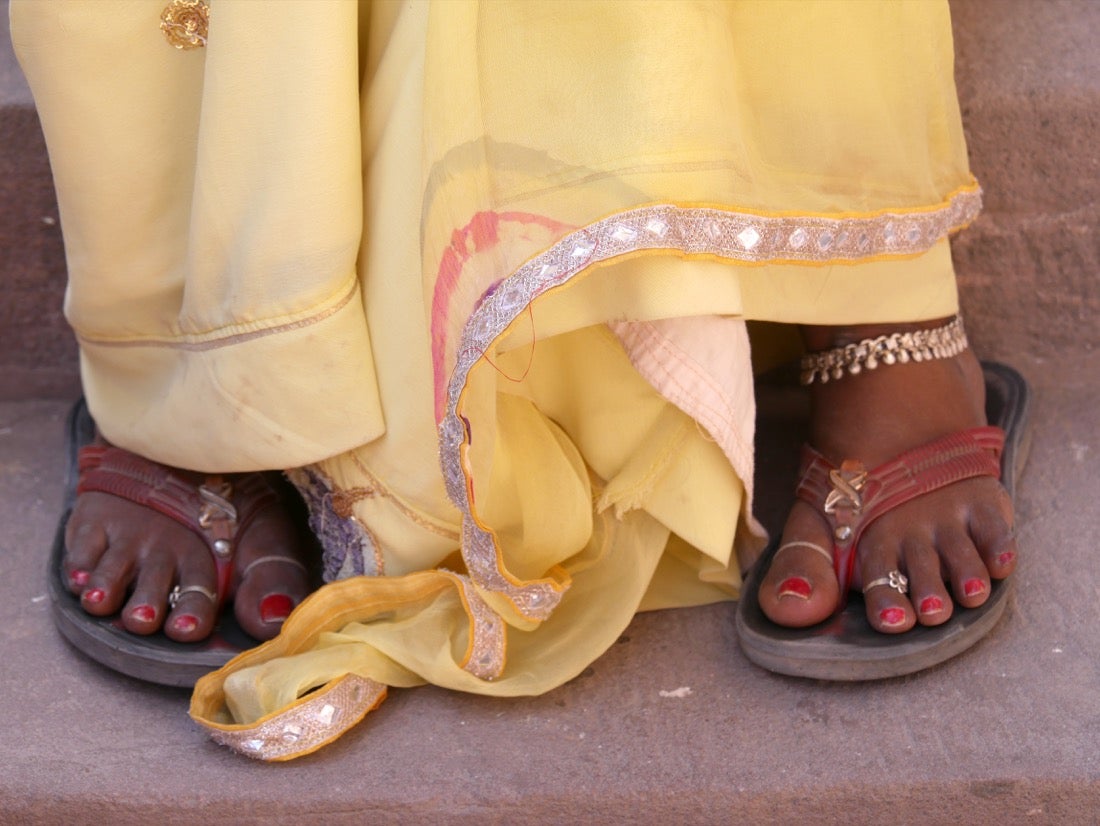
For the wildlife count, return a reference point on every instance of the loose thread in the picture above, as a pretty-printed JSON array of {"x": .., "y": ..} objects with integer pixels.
[{"x": 530, "y": 359}]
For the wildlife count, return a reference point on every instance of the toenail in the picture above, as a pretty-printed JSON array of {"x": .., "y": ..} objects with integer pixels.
[
  {"x": 95, "y": 596},
  {"x": 144, "y": 613},
  {"x": 79, "y": 578},
  {"x": 973, "y": 587},
  {"x": 1006, "y": 557},
  {"x": 892, "y": 616},
  {"x": 795, "y": 586},
  {"x": 931, "y": 605},
  {"x": 276, "y": 607},
  {"x": 185, "y": 623}
]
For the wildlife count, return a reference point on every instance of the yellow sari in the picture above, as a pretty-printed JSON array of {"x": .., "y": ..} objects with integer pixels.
[{"x": 479, "y": 272}]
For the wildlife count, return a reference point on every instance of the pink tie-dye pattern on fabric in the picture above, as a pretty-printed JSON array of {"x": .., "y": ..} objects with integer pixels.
[{"x": 479, "y": 258}]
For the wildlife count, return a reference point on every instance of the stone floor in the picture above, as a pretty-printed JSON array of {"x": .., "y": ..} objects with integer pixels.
[{"x": 1004, "y": 733}]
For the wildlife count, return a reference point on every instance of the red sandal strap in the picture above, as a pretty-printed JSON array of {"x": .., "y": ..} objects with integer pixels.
[
  {"x": 851, "y": 498},
  {"x": 214, "y": 508}
]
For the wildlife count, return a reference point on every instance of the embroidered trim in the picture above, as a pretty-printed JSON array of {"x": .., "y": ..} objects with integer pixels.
[
  {"x": 737, "y": 236},
  {"x": 307, "y": 725},
  {"x": 487, "y": 643}
]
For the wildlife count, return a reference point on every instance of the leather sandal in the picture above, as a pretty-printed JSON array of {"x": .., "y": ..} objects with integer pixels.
[
  {"x": 845, "y": 647},
  {"x": 215, "y": 508}
]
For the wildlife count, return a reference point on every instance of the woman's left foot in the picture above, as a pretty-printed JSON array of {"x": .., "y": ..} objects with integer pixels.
[{"x": 949, "y": 543}]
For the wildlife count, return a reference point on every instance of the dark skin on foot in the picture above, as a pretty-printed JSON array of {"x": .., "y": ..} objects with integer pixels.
[
  {"x": 123, "y": 557},
  {"x": 950, "y": 543}
]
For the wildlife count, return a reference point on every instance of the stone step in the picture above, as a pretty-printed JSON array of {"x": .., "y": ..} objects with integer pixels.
[
  {"x": 672, "y": 725},
  {"x": 1029, "y": 84}
]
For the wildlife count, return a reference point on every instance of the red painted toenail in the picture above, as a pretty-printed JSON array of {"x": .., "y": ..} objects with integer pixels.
[
  {"x": 95, "y": 596},
  {"x": 276, "y": 607},
  {"x": 79, "y": 578},
  {"x": 185, "y": 623},
  {"x": 931, "y": 605},
  {"x": 1006, "y": 557},
  {"x": 973, "y": 587},
  {"x": 144, "y": 613},
  {"x": 892, "y": 616}
]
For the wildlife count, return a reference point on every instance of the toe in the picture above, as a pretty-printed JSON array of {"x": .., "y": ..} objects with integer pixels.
[
  {"x": 106, "y": 584},
  {"x": 967, "y": 573},
  {"x": 888, "y": 610},
  {"x": 927, "y": 593},
  {"x": 193, "y": 617},
  {"x": 992, "y": 535},
  {"x": 800, "y": 588},
  {"x": 145, "y": 610},
  {"x": 272, "y": 578},
  {"x": 85, "y": 544}
]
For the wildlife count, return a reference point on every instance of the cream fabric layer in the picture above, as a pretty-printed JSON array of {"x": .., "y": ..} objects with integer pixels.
[{"x": 284, "y": 250}]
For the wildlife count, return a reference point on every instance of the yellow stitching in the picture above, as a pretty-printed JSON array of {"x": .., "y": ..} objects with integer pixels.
[{"x": 197, "y": 342}]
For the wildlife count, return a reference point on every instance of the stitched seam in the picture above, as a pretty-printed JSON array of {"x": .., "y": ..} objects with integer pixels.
[{"x": 215, "y": 340}]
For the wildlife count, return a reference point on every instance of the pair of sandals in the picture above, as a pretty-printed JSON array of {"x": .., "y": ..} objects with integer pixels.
[{"x": 844, "y": 647}]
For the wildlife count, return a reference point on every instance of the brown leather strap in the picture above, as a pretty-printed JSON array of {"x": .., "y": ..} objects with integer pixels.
[
  {"x": 216, "y": 508},
  {"x": 851, "y": 498}
]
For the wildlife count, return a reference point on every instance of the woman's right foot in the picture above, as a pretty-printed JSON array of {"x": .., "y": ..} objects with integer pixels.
[{"x": 124, "y": 558}]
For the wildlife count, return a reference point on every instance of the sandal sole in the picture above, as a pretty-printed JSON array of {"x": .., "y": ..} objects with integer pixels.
[{"x": 844, "y": 647}]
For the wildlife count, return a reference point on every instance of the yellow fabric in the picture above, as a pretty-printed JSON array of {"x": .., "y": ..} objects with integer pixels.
[{"x": 276, "y": 243}]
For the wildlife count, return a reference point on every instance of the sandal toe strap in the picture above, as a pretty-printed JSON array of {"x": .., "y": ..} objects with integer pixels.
[
  {"x": 850, "y": 497},
  {"x": 216, "y": 508}
]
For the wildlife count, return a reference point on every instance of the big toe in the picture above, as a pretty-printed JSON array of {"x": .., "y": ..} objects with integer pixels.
[
  {"x": 272, "y": 578},
  {"x": 800, "y": 588}
]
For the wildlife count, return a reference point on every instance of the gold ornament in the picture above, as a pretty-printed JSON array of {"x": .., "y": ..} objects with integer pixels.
[{"x": 185, "y": 23}]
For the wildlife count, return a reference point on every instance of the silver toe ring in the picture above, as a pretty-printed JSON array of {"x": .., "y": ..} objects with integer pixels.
[
  {"x": 895, "y": 579},
  {"x": 177, "y": 593}
]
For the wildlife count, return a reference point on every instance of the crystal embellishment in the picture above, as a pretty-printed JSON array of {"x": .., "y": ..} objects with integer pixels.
[
  {"x": 655, "y": 226},
  {"x": 291, "y": 733},
  {"x": 326, "y": 714},
  {"x": 624, "y": 234},
  {"x": 584, "y": 248},
  {"x": 748, "y": 238},
  {"x": 798, "y": 238}
]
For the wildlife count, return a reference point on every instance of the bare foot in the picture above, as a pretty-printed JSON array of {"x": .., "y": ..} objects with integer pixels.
[
  {"x": 950, "y": 543},
  {"x": 123, "y": 556}
]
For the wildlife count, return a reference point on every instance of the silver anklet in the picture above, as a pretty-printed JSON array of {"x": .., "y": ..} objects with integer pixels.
[{"x": 896, "y": 348}]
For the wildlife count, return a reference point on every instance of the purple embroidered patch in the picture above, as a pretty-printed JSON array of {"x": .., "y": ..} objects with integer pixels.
[{"x": 348, "y": 548}]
